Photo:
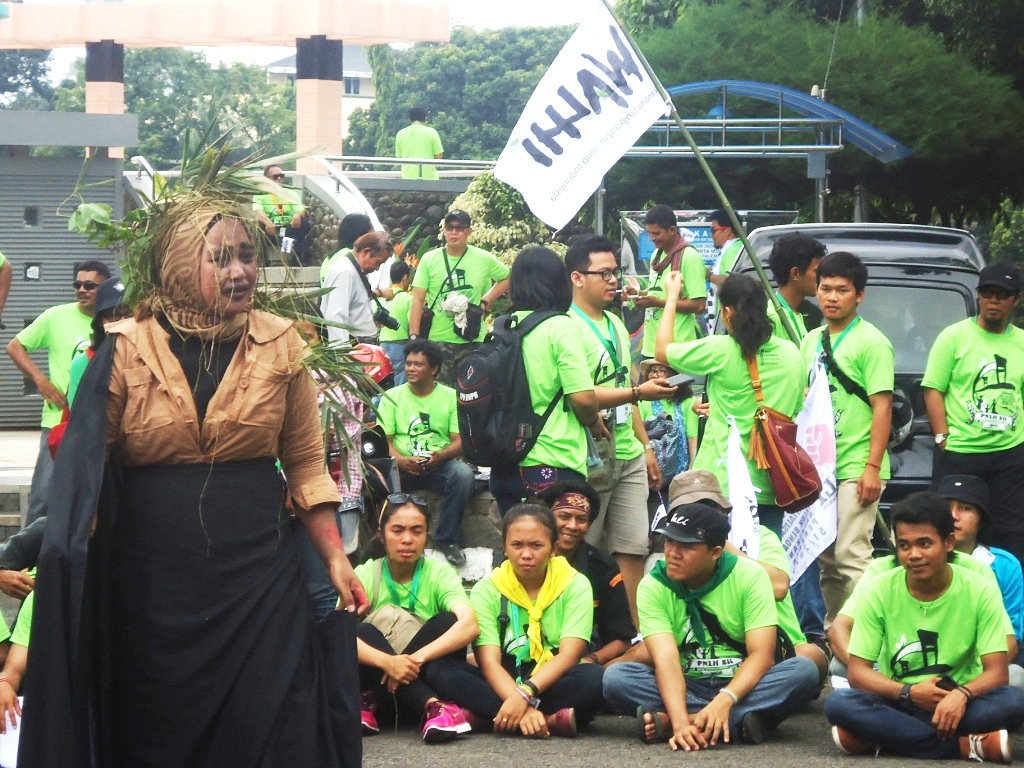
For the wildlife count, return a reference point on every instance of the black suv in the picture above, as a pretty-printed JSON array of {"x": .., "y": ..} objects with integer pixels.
[{"x": 920, "y": 280}]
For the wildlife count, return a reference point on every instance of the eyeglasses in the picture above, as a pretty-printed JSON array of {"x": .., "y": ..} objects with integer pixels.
[
  {"x": 608, "y": 275},
  {"x": 278, "y": 177},
  {"x": 454, "y": 228},
  {"x": 715, "y": 228},
  {"x": 397, "y": 499},
  {"x": 89, "y": 285},
  {"x": 995, "y": 293}
]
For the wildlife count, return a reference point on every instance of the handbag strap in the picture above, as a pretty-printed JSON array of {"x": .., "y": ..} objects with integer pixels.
[
  {"x": 851, "y": 386},
  {"x": 755, "y": 380},
  {"x": 755, "y": 450}
]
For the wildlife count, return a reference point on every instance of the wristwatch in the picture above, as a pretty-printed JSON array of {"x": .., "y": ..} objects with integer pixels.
[
  {"x": 941, "y": 438},
  {"x": 904, "y": 700},
  {"x": 413, "y": 336}
]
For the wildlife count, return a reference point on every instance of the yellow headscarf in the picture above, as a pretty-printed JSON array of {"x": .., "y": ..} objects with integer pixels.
[{"x": 557, "y": 578}]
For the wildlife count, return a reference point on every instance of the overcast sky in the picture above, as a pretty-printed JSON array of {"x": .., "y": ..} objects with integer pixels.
[{"x": 481, "y": 14}]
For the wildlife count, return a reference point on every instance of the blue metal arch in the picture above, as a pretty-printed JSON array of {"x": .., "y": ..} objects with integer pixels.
[{"x": 880, "y": 146}]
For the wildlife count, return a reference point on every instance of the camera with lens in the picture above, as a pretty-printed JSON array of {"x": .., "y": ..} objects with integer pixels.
[{"x": 383, "y": 318}]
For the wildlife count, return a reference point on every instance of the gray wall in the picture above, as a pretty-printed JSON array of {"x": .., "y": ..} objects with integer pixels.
[{"x": 43, "y": 184}]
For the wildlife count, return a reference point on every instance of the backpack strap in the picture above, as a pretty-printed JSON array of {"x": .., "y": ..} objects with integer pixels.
[
  {"x": 851, "y": 386},
  {"x": 783, "y": 645},
  {"x": 503, "y": 622},
  {"x": 523, "y": 327}
]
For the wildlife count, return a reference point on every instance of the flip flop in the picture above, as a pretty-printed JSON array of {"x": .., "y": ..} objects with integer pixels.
[{"x": 662, "y": 726}]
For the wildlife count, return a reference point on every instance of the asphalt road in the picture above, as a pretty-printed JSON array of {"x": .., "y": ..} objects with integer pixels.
[{"x": 804, "y": 740}]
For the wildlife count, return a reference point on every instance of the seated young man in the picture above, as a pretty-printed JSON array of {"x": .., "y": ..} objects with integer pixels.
[
  {"x": 937, "y": 633},
  {"x": 575, "y": 506},
  {"x": 709, "y": 619}
]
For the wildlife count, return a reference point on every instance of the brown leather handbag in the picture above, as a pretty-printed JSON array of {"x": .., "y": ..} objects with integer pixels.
[{"x": 773, "y": 446}]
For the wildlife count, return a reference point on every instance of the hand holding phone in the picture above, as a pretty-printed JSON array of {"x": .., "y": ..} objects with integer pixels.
[{"x": 679, "y": 380}]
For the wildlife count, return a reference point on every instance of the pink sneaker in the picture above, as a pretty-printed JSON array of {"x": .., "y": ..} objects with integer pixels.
[
  {"x": 368, "y": 715},
  {"x": 476, "y": 723},
  {"x": 443, "y": 722}
]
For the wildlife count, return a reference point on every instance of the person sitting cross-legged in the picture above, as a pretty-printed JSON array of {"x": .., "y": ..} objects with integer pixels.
[
  {"x": 709, "y": 623},
  {"x": 937, "y": 633},
  {"x": 422, "y": 428}
]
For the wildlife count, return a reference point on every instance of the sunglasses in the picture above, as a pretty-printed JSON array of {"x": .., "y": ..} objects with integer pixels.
[
  {"x": 397, "y": 499},
  {"x": 89, "y": 285},
  {"x": 995, "y": 293},
  {"x": 278, "y": 177},
  {"x": 454, "y": 228}
]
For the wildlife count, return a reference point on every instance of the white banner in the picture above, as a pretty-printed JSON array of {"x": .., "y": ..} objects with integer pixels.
[
  {"x": 744, "y": 523},
  {"x": 591, "y": 106},
  {"x": 806, "y": 534}
]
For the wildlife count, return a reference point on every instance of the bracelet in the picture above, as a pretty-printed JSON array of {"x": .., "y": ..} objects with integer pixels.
[
  {"x": 524, "y": 694},
  {"x": 872, "y": 464},
  {"x": 533, "y": 688},
  {"x": 636, "y": 394},
  {"x": 5, "y": 680},
  {"x": 962, "y": 688},
  {"x": 735, "y": 698}
]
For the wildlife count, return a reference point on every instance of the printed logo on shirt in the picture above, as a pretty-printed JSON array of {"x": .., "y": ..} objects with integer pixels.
[
  {"x": 918, "y": 657},
  {"x": 419, "y": 435},
  {"x": 995, "y": 402}
]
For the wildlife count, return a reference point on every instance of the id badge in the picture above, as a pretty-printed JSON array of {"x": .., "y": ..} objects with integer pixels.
[{"x": 623, "y": 413}]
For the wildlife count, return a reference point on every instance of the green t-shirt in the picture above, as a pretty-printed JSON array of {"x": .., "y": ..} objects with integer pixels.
[
  {"x": 795, "y": 318},
  {"x": 743, "y": 602},
  {"x": 691, "y": 420},
  {"x": 981, "y": 375},
  {"x": 420, "y": 426},
  {"x": 399, "y": 309},
  {"x": 598, "y": 339},
  {"x": 553, "y": 357},
  {"x": 694, "y": 287},
  {"x": 439, "y": 589},
  {"x": 325, "y": 267},
  {"x": 731, "y": 393},
  {"x": 473, "y": 274},
  {"x": 886, "y": 563},
  {"x": 280, "y": 209},
  {"x": 865, "y": 355},
  {"x": 3, "y": 260},
  {"x": 731, "y": 252},
  {"x": 773, "y": 553},
  {"x": 912, "y": 641},
  {"x": 78, "y": 366},
  {"x": 23, "y": 626},
  {"x": 418, "y": 141},
  {"x": 64, "y": 332},
  {"x": 571, "y": 615}
]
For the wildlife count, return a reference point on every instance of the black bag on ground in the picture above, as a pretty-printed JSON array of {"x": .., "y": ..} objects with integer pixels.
[{"x": 496, "y": 417}]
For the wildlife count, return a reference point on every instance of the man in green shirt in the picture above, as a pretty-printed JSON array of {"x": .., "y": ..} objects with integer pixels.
[
  {"x": 283, "y": 206},
  {"x": 393, "y": 340},
  {"x": 672, "y": 254},
  {"x": 5, "y": 284},
  {"x": 794, "y": 263},
  {"x": 621, "y": 524},
  {"x": 418, "y": 140},
  {"x": 420, "y": 422},
  {"x": 936, "y": 632},
  {"x": 860, "y": 364},
  {"x": 64, "y": 332},
  {"x": 708, "y": 619},
  {"x": 447, "y": 280},
  {"x": 973, "y": 384}
]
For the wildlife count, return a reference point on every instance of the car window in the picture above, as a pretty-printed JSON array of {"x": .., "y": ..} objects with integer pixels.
[{"x": 911, "y": 317}]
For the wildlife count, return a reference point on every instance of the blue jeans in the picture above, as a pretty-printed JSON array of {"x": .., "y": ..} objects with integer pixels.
[
  {"x": 41, "y": 477},
  {"x": 395, "y": 350},
  {"x": 782, "y": 691},
  {"x": 512, "y": 484},
  {"x": 454, "y": 480},
  {"x": 314, "y": 572},
  {"x": 910, "y": 732},
  {"x": 809, "y": 604}
]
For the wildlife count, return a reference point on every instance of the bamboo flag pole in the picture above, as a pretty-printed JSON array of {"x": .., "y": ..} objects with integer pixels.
[{"x": 737, "y": 227}]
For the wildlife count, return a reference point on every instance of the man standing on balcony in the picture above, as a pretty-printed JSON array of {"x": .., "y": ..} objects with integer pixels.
[{"x": 418, "y": 140}]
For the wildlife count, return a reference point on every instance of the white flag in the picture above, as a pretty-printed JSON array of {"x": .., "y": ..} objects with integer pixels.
[
  {"x": 744, "y": 524},
  {"x": 591, "y": 106},
  {"x": 807, "y": 533}
]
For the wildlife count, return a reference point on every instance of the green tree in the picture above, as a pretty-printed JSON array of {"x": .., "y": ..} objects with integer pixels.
[
  {"x": 23, "y": 80},
  {"x": 173, "y": 89},
  {"x": 646, "y": 15}
]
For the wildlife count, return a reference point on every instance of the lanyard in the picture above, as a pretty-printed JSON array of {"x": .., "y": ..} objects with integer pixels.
[
  {"x": 413, "y": 588},
  {"x": 792, "y": 315},
  {"x": 610, "y": 344},
  {"x": 842, "y": 335},
  {"x": 523, "y": 651}
]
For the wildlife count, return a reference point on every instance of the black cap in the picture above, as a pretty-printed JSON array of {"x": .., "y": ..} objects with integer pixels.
[
  {"x": 1000, "y": 275},
  {"x": 967, "y": 488},
  {"x": 458, "y": 215},
  {"x": 109, "y": 294},
  {"x": 694, "y": 524}
]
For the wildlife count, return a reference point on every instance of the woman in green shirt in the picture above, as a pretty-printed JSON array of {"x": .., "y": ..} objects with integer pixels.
[
  {"x": 428, "y": 589},
  {"x": 724, "y": 359}
]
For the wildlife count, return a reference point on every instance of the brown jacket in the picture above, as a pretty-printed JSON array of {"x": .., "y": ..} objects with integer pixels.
[{"x": 265, "y": 406}]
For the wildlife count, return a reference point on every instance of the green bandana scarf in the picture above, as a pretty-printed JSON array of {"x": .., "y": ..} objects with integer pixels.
[{"x": 692, "y": 596}]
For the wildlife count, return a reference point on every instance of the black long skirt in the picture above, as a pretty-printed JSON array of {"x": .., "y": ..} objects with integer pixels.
[{"x": 214, "y": 660}]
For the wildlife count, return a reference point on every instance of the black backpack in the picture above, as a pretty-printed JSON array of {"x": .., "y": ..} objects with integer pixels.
[{"x": 496, "y": 418}]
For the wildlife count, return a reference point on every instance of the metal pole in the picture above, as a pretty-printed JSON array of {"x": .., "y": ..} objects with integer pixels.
[
  {"x": 599, "y": 208},
  {"x": 734, "y": 220}
]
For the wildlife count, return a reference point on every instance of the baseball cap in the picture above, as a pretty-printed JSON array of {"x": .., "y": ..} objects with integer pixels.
[
  {"x": 967, "y": 488},
  {"x": 695, "y": 524},
  {"x": 109, "y": 294},
  {"x": 458, "y": 215},
  {"x": 1000, "y": 275},
  {"x": 696, "y": 485}
]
